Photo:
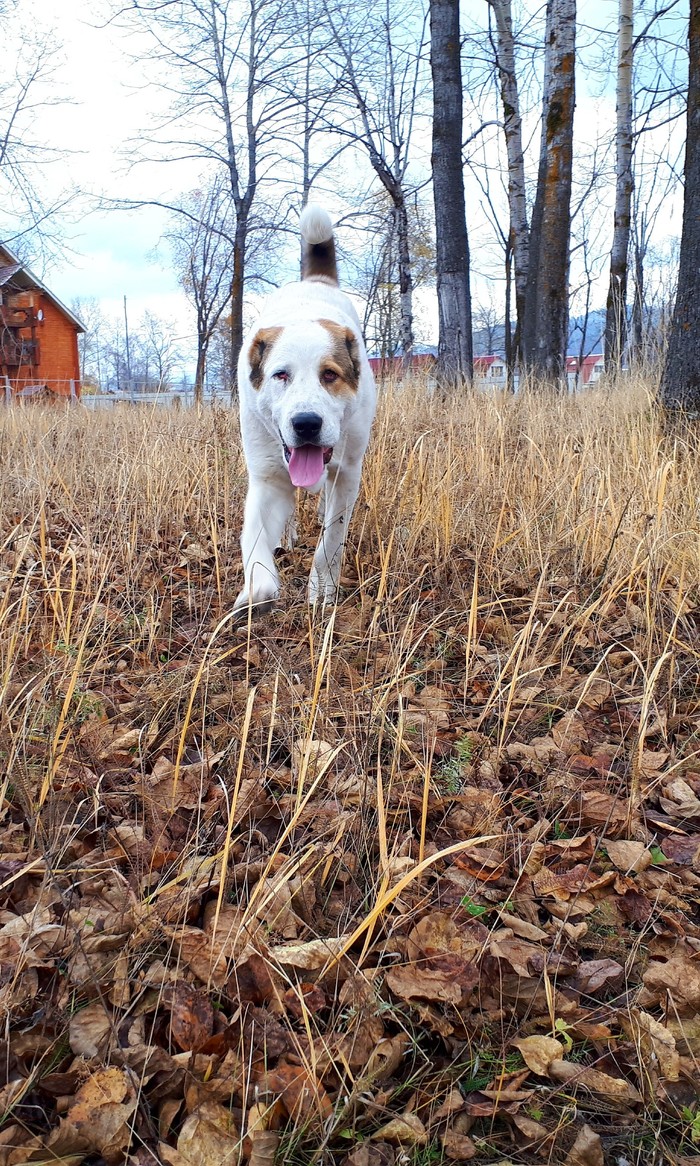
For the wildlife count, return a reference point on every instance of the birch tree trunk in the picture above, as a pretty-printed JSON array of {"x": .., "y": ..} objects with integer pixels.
[
  {"x": 455, "y": 354},
  {"x": 680, "y": 384},
  {"x": 616, "y": 306},
  {"x": 405, "y": 277},
  {"x": 546, "y": 315},
  {"x": 513, "y": 128}
]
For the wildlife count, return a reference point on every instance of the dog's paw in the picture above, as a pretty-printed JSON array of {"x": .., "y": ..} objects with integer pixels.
[
  {"x": 260, "y": 603},
  {"x": 322, "y": 589}
]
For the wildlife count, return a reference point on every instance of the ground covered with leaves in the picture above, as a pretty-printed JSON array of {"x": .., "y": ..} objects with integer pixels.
[{"x": 415, "y": 881}]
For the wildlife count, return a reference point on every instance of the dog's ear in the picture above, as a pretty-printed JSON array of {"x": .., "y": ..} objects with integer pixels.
[
  {"x": 262, "y": 342},
  {"x": 354, "y": 353}
]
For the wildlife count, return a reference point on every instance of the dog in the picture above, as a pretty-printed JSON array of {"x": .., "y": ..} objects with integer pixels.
[{"x": 307, "y": 403}]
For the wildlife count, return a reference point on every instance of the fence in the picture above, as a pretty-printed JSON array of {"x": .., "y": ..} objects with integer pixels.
[
  {"x": 25, "y": 389},
  {"x": 62, "y": 390},
  {"x": 169, "y": 398}
]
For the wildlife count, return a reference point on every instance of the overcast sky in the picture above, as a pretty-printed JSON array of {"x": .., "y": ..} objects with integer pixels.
[{"x": 111, "y": 253}]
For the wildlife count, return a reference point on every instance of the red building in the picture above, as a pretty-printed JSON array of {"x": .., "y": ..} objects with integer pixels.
[
  {"x": 38, "y": 336},
  {"x": 589, "y": 370},
  {"x": 398, "y": 366}
]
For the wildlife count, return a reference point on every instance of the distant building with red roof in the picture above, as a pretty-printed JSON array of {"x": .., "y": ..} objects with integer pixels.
[{"x": 589, "y": 370}]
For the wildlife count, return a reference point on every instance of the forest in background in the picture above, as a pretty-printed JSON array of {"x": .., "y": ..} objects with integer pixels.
[{"x": 272, "y": 104}]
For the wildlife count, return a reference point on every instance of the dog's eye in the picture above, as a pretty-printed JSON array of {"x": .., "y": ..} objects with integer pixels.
[
  {"x": 282, "y": 376},
  {"x": 328, "y": 376}
]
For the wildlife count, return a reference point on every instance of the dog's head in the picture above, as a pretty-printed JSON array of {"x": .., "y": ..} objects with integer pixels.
[{"x": 306, "y": 378}]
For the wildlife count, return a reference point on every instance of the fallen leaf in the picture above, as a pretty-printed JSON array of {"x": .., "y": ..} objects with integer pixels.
[
  {"x": 678, "y": 978},
  {"x": 448, "y": 983},
  {"x": 628, "y": 855},
  {"x": 538, "y": 1052},
  {"x": 574, "y": 1076},
  {"x": 208, "y": 1138},
  {"x": 89, "y": 1030},
  {"x": 101, "y": 1113},
  {"x": 534, "y": 1131},
  {"x": 569, "y": 733},
  {"x": 405, "y": 1130},
  {"x": 457, "y": 1147},
  {"x": 686, "y": 1033},
  {"x": 302, "y": 1095},
  {"x": 310, "y": 956},
  {"x": 522, "y": 928},
  {"x": 191, "y": 1018},
  {"x": 440, "y": 933},
  {"x": 658, "y": 1045},
  {"x": 587, "y": 1150},
  {"x": 593, "y": 976},
  {"x": 368, "y": 1155}
]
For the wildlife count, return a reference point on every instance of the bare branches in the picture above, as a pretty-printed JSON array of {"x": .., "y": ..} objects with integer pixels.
[{"x": 28, "y": 216}]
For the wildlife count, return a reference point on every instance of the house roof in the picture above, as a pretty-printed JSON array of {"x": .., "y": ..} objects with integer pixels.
[{"x": 12, "y": 268}]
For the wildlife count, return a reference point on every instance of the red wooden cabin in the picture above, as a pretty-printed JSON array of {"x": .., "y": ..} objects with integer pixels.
[{"x": 38, "y": 336}]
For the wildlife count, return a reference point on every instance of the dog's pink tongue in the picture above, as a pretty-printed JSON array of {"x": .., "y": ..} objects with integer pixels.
[{"x": 306, "y": 465}]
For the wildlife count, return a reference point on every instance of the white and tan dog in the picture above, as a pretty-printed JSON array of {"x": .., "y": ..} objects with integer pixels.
[{"x": 307, "y": 401}]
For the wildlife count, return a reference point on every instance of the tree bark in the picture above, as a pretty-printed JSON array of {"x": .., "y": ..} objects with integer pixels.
[
  {"x": 199, "y": 375},
  {"x": 405, "y": 277},
  {"x": 455, "y": 352},
  {"x": 637, "y": 353},
  {"x": 237, "y": 289},
  {"x": 680, "y": 384},
  {"x": 546, "y": 317},
  {"x": 616, "y": 306},
  {"x": 513, "y": 128}
]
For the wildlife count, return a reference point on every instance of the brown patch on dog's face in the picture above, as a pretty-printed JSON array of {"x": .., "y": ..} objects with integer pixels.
[
  {"x": 259, "y": 351},
  {"x": 340, "y": 370}
]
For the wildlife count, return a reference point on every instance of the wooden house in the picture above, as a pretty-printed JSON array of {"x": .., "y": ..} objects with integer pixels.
[{"x": 38, "y": 336}]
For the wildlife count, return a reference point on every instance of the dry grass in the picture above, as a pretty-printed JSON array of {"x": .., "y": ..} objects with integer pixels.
[{"x": 507, "y": 558}]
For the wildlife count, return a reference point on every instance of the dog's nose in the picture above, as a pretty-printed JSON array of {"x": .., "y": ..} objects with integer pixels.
[{"x": 307, "y": 426}]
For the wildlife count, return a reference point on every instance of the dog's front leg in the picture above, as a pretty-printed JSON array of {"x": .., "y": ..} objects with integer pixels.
[
  {"x": 340, "y": 496},
  {"x": 268, "y": 508}
]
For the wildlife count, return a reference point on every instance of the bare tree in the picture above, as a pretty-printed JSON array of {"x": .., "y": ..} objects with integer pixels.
[
  {"x": 224, "y": 62},
  {"x": 90, "y": 342},
  {"x": 519, "y": 234},
  {"x": 160, "y": 350},
  {"x": 488, "y": 329},
  {"x": 680, "y": 384},
  {"x": 372, "y": 268},
  {"x": 202, "y": 248},
  {"x": 455, "y": 353},
  {"x": 28, "y": 217},
  {"x": 616, "y": 306},
  {"x": 315, "y": 91},
  {"x": 380, "y": 74},
  {"x": 545, "y": 331}
]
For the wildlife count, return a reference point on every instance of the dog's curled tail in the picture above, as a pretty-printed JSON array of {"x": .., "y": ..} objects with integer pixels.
[{"x": 318, "y": 248}]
